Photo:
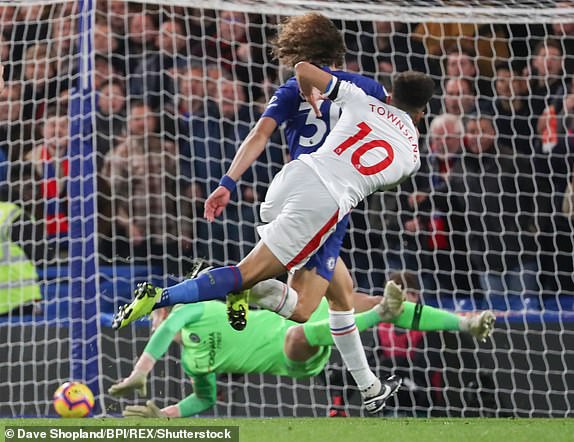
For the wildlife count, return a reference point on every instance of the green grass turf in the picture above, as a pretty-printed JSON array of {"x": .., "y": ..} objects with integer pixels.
[{"x": 353, "y": 429}]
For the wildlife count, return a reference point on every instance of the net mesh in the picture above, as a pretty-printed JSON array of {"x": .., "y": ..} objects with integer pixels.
[{"x": 175, "y": 88}]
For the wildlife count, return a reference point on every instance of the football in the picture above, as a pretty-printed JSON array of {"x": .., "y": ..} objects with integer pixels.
[{"x": 73, "y": 399}]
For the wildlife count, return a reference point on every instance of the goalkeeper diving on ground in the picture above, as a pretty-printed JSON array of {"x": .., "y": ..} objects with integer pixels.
[{"x": 269, "y": 344}]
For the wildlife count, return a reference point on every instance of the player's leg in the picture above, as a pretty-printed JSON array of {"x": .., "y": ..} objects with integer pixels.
[
  {"x": 415, "y": 316},
  {"x": 214, "y": 283},
  {"x": 348, "y": 341},
  {"x": 297, "y": 346},
  {"x": 296, "y": 300},
  {"x": 256, "y": 269},
  {"x": 299, "y": 222},
  {"x": 303, "y": 341},
  {"x": 426, "y": 318},
  {"x": 311, "y": 281}
]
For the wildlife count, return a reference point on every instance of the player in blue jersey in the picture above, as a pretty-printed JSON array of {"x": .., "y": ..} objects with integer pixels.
[{"x": 312, "y": 38}]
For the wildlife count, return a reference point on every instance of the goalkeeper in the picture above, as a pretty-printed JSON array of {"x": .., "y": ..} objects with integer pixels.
[{"x": 211, "y": 346}]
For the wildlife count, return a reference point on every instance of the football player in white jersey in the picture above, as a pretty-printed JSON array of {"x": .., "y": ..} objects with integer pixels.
[{"x": 374, "y": 146}]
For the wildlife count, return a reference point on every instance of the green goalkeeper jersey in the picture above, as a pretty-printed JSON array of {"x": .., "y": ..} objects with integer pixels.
[{"x": 211, "y": 346}]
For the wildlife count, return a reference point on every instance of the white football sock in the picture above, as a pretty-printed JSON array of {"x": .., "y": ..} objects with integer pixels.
[
  {"x": 348, "y": 341},
  {"x": 276, "y": 296}
]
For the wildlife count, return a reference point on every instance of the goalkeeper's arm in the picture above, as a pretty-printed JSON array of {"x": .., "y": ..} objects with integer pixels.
[
  {"x": 156, "y": 348},
  {"x": 202, "y": 399}
]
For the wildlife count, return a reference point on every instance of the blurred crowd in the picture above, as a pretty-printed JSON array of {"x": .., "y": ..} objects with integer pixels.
[{"x": 488, "y": 218}]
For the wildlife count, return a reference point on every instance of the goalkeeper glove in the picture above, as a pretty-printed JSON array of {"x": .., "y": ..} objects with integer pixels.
[
  {"x": 137, "y": 381},
  {"x": 148, "y": 410}
]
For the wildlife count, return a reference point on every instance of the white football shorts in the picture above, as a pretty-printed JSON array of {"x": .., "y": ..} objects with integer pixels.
[{"x": 300, "y": 214}]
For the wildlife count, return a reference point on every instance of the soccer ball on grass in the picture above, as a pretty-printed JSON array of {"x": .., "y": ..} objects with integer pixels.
[{"x": 73, "y": 399}]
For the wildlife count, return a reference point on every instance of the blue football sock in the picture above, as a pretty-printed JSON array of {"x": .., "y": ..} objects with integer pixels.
[{"x": 213, "y": 284}]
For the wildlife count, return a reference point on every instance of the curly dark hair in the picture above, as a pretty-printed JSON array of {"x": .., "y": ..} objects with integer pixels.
[
  {"x": 412, "y": 91},
  {"x": 311, "y": 37}
]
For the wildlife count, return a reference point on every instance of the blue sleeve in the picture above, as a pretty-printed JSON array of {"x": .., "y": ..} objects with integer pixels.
[{"x": 284, "y": 102}]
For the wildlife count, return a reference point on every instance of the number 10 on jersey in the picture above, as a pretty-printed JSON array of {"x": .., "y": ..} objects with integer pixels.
[{"x": 364, "y": 130}]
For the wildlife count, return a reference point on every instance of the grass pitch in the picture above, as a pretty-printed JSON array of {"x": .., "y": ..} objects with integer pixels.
[{"x": 350, "y": 429}]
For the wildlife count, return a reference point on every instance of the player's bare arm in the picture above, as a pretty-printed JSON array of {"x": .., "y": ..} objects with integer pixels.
[
  {"x": 252, "y": 147},
  {"x": 248, "y": 152},
  {"x": 309, "y": 77}
]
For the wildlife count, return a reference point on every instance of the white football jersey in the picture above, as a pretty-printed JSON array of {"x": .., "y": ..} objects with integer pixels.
[{"x": 373, "y": 146}]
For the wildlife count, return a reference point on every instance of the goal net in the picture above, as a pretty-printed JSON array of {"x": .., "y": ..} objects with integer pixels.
[{"x": 119, "y": 118}]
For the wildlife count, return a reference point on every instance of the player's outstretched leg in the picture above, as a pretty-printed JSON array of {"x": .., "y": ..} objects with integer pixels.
[
  {"x": 146, "y": 296},
  {"x": 480, "y": 325},
  {"x": 237, "y": 309},
  {"x": 375, "y": 404}
]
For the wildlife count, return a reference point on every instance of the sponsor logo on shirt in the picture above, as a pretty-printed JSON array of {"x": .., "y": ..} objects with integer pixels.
[
  {"x": 272, "y": 102},
  {"x": 214, "y": 343}
]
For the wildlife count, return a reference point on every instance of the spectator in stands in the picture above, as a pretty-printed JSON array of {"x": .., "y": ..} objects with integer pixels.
[
  {"x": 441, "y": 234},
  {"x": 511, "y": 110},
  {"x": 39, "y": 80},
  {"x": 201, "y": 154},
  {"x": 192, "y": 106},
  {"x": 548, "y": 88},
  {"x": 564, "y": 33},
  {"x": 32, "y": 25},
  {"x": 104, "y": 72},
  {"x": 106, "y": 44},
  {"x": 62, "y": 43},
  {"x": 50, "y": 162},
  {"x": 490, "y": 41},
  {"x": 235, "y": 48},
  {"x": 110, "y": 117},
  {"x": 141, "y": 37},
  {"x": 461, "y": 62},
  {"x": 192, "y": 91},
  {"x": 15, "y": 135},
  {"x": 141, "y": 119},
  {"x": 149, "y": 203},
  {"x": 23, "y": 247},
  {"x": 547, "y": 81},
  {"x": 155, "y": 78},
  {"x": 554, "y": 167},
  {"x": 392, "y": 49},
  {"x": 459, "y": 97},
  {"x": 493, "y": 189},
  {"x": 117, "y": 13},
  {"x": 8, "y": 20}
]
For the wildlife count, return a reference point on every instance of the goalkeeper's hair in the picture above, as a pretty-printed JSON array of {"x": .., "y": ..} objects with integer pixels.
[
  {"x": 311, "y": 37},
  {"x": 412, "y": 91}
]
